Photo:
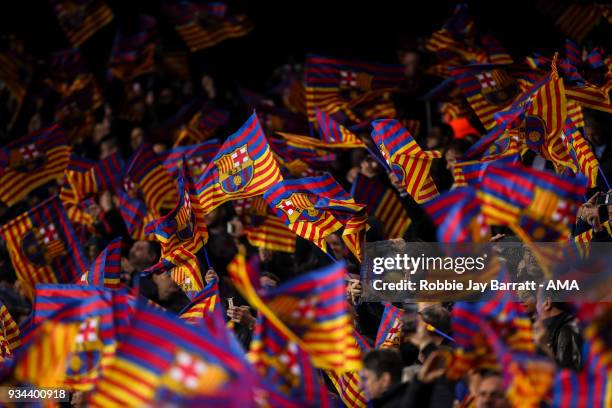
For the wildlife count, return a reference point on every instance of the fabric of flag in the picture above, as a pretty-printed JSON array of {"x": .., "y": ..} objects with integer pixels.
[
  {"x": 80, "y": 20},
  {"x": 591, "y": 386},
  {"x": 590, "y": 96},
  {"x": 146, "y": 178},
  {"x": 335, "y": 85},
  {"x": 527, "y": 377},
  {"x": 580, "y": 150},
  {"x": 310, "y": 310},
  {"x": 202, "y": 125},
  {"x": 509, "y": 190},
  {"x": 334, "y": 133},
  {"x": 43, "y": 363},
  {"x": 203, "y": 25},
  {"x": 470, "y": 172},
  {"x": 458, "y": 217},
  {"x": 182, "y": 233},
  {"x": 299, "y": 160},
  {"x": 196, "y": 156},
  {"x": 389, "y": 330},
  {"x": 583, "y": 240},
  {"x": 203, "y": 305},
  {"x": 43, "y": 246},
  {"x": 105, "y": 272},
  {"x": 32, "y": 161},
  {"x": 349, "y": 384},
  {"x": 488, "y": 89},
  {"x": 69, "y": 75},
  {"x": 9, "y": 334},
  {"x": 135, "y": 215},
  {"x": 87, "y": 177},
  {"x": 383, "y": 203},
  {"x": 134, "y": 55},
  {"x": 313, "y": 207},
  {"x": 159, "y": 352},
  {"x": 102, "y": 317},
  {"x": 407, "y": 161},
  {"x": 286, "y": 365},
  {"x": 243, "y": 167},
  {"x": 262, "y": 228}
]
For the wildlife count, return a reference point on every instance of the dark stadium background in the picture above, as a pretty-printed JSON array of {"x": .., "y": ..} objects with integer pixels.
[{"x": 368, "y": 30}]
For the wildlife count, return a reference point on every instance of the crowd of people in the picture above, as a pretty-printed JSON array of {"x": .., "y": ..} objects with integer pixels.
[{"x": 412, "y": 368}]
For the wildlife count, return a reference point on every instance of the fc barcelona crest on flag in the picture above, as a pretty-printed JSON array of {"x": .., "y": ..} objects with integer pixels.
[
  {"x": 26, "y": 158},
  {"x": 235, "y": 170},
  {"x": 185, "y": 221},
  {"x": 498, "y": 88},
  {"x": 298, "y": 207},
  {"x": 534, "y": 131},
  {"x": 42, "y": 245},
  {"x": 355, "y": 80}
]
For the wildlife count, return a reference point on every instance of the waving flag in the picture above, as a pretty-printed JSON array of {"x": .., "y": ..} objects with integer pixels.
[
  {"x": 80, "y": 20},
  {"x": 470, "y": 172},
  {"x": 299, "y": 159},
  {"x": 160, "y": 353},
  {"x": 147, "y": 179},
  {"x": 407, "y": 161},
  {"x": 202, "y": 125},
  {"x": 310, "y": 310},
  {"x": 508, "y": 191},
  {"x": 335, "y": 85},
  {"x": 135, "y": 214},
  {"x": 243, "y": 167},
  {"x": 86, "y": 177},
  {"x": 591, "y": 385},
  {"x": 334, "y": 133},
  {"x": 9, "y": 334},
  {"x": 458, "y": 217},
  {"x": 205, "y": 25},
  {"x": 578, "y": 147},
  {"x": 262, "y": 228},
  {"x": 106, "y": 269},
  {"x": 382, "y": 203},
  {"x": 134, "y": 55},
  {"x": 182, "y": 233},
  {"x": 315, "y": 207},
  {"x": 197, "y": 157},
  {"x": 32, "y": 161},
  {"x": 43, "y": 362},
  {"x": 286, "y": 365},
  {"x": 43, "y": 246},
  {"x": 101, "y": 317},
  {"x": 69, "y": 75},
  {"x": 389, "y": 330},
  {"x": 488, "y": 89},
  {"x": 349, "y": 384},
  {"x": 199, "y": 311}
]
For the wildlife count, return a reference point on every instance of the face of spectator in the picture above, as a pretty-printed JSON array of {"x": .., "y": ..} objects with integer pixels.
[
  {"x": 136, "y": 138},
  {"x": 107, "y": 148},
  {"x": 376, "y": 385},
  {"x": 451, "y": 159},
  {"x": 410, "y": 60},
  {"x": 491, "y": 394},
  {"x": 594, "y": 131},
  {"x": 141, "y": 255},
  {"x": 336, "y": 245},
  {"x": 166, "y": 288},
  {"x": 528, "y": 301}
]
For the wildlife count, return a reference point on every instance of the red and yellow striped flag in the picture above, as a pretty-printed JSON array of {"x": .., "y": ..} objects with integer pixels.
[
  {"x": 45, "y": 360},
  {"x": 81, "y": 20},
  {"x": 9, "y": 334}
]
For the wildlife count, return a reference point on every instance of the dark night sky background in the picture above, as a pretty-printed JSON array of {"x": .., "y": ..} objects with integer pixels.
[{"x": 367, "y": 30}]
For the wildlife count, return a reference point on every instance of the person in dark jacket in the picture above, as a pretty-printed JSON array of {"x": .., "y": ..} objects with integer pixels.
[
  {"x": 383, "y": 378},
  {"x": 556, "y": 333}
]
